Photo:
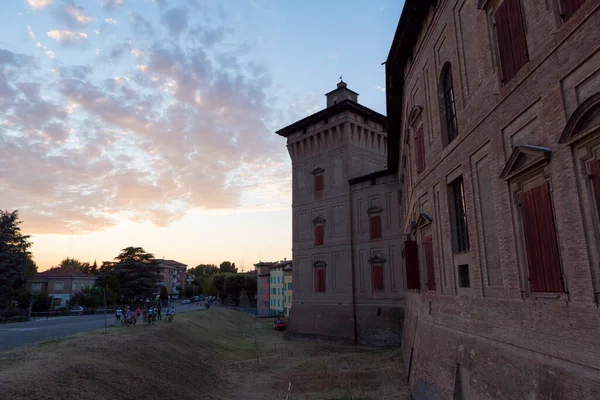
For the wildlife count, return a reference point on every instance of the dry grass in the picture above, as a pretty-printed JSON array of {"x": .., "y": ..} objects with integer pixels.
[{"x": 208, "y": 355}]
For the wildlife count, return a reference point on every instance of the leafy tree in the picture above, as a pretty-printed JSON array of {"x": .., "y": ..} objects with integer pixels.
[
  {"x": 15, "y": 258},
  {"x": 218, "y": 283},
  {"x": 105, "y": 271},
  {"x": 227, "y": 266},
  {"x": 41, "y": 302},
  {"x": 94, "y": 268},
  {"x": 138, "y": 274},
  {"x": 207, "y": 286},
  {"x": 75, "y": 264},
  {"x": 114, "y": 286},
  {"x": 202, "y": 270},
  {"x": 164, "y": 294}
]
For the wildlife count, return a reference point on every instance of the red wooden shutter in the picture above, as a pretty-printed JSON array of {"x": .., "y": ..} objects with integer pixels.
[
  {"x": 595, "y": 178},
  {"x": 320, "y": 279},
  {"x": 411, "y": 253},
  {"x": 428, "y": 250},
  {"x": 540, "y": 240},
  {"x": 318, "y": 182},
  {"x": 568, "y": 7},
  {"x": 512, "y": 42},
  {"x": 319, "y": 235},
  {"x": 375, "y": 226},
  {"x": 377, "y": 277}
]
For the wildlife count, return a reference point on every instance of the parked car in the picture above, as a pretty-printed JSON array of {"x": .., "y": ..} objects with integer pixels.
[
  {"x": 279, "y": 324},
  {"x": 77, "y": 309},
  {"x": 196, "y": 298},
  {"x": 185, "y": 301}
]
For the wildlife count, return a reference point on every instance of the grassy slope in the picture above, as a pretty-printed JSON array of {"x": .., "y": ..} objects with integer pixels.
[{"x": 202, "y": 355}]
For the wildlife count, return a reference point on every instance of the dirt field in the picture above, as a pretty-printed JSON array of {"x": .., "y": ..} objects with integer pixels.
[{"x": 213, "y": 354}]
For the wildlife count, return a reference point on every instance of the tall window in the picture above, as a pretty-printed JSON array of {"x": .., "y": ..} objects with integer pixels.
[
  {"x": 377, "y": 277},
  {"x": 568, "y": 8},
  {"x": 319, "y": 234},
  {"x": 411, "y": 254},
  {"x": 595, "y": 180},
  {"x": 458, "y": 216},
  {"x": 318, "y": 179},
  {"x": 319, "y": 279},
  {"x": 428, "y": 253},
  {"x": 448, "y": 106},
  {"x": 543, "y": 260},
  {"x": 375, "y": 224},
  {"x": 512, "y": 43}
]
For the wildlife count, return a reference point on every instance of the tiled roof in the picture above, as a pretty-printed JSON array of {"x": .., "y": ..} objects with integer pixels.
[
  {"x": 64, "y": 272},
  {"x": 172, "y": 262}
]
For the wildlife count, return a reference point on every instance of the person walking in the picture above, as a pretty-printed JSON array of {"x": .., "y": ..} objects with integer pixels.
[
  {"x": 118, "y": 314},
  {"x": 138, "y": 311},
  {"x": 158, "y": 311}
]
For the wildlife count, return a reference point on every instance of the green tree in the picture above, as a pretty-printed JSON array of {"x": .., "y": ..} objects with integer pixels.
[
  {"x": 227, "y": 267},
  {"x": 164, "y": 294},
  {"x": 15, "y": 258},
  {"x": 218, "y": 284},
  {"x": 138, "y": 274},
  {"x": 202, "y": 270},
  {"x": 94, "y": 268},
  {"x": 41, "y": 302},
  {"x": 207, "y": 286},
  {"x": 114, "y": 286},
  {"x": 75, "y": 264}
]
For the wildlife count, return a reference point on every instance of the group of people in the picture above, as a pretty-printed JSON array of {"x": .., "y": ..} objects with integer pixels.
[{"x": 149, "y": 313}]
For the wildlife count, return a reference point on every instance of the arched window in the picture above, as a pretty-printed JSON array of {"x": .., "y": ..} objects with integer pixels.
[{"x": 447, "y": 106}]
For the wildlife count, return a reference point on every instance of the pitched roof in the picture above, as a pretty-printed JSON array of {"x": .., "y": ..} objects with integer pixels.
[
  {"x": 172, "y": 262},
  {"x": 64, "y": 272}
]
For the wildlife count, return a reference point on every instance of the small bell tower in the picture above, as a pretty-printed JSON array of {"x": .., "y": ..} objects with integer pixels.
[{"x": 340, "y": 94}]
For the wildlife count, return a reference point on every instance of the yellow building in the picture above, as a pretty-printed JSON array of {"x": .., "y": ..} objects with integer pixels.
[{"x": 287, "y": 289}]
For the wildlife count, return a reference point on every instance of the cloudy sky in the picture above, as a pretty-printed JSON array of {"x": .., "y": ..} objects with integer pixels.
[{"x": 151, "y": 122}]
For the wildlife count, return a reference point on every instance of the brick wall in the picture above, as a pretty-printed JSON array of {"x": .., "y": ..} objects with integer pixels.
[{"x": 510, "y": 342}]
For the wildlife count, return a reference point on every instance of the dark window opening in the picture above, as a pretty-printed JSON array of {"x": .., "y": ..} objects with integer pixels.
[
  {"x": 420, "y": 149},
  {"x": 411, "y": 253},
  {"x": 463, "y": 276},
  {"x": 458, "y": 216},
  {"x": 378, "y": 311},
  {"x": 428, "y": 250},
  {"x": 569, "y": 7},
  {"x": 449, "y": 106}
]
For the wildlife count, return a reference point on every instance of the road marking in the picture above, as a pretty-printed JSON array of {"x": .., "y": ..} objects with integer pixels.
[{"x": 19, "y": 329}]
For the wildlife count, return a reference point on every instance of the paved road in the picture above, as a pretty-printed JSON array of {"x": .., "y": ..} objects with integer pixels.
[{"x": 22, "y": 334}]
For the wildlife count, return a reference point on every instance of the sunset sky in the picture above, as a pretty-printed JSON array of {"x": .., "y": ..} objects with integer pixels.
[{"x": 151, "y": 122}]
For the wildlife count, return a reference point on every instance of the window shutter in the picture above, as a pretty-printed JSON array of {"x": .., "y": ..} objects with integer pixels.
[
  {"x": 568, "y": 8},
  {"x": 319, "y": 235},
  {"x": 428, "y": 250},
  {"x": 318, "y": 182},
  {"x": 320, "y": 279},
  {"x": 504, "y": 45},
  {"x": 411, "y": 253},
  {"x": 512, "y": 41},
  {"x": 595, "y": 179},
  {"x": 377, "y": 277},
  {"x": 375, "y": 226},
  {"x": 540, "y": 240}
]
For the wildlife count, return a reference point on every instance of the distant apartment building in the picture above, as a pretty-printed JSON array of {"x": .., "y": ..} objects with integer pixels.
[
  {"x": 60, "y": 284},
  {"x": 347, "y": 254},
  {"x": 263, "y": 283},
  {"x": 287, "y": 288},
  {"x": 174, "y": 275}
]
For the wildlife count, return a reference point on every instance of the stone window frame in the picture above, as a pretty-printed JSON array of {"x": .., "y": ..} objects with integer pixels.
[
  {"x": 414, "y": 122},
  {"x": 582, "y": 133},
  {"x": 442, "y": 89},
  {"x": 319, "y": 171},
  {"x": 526, "y": 170}
]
